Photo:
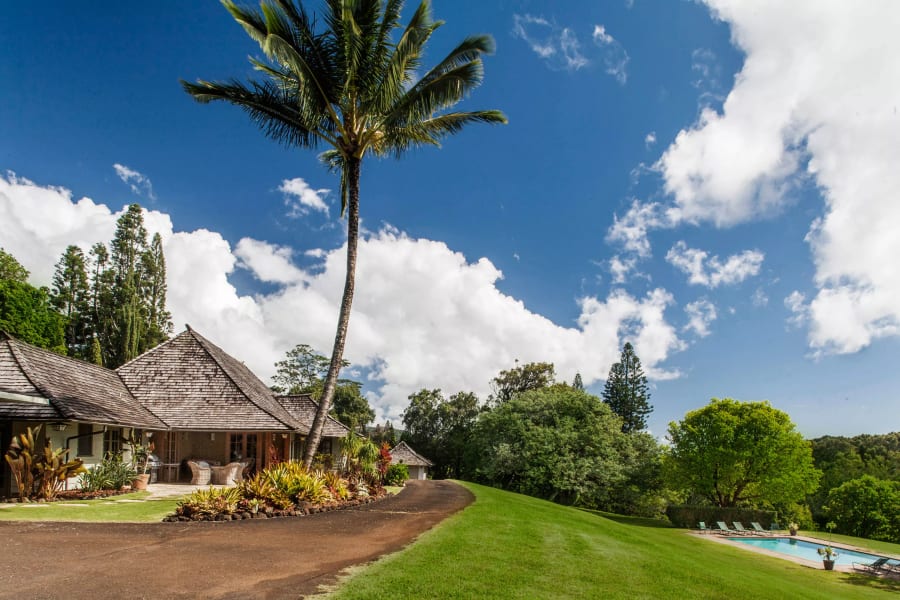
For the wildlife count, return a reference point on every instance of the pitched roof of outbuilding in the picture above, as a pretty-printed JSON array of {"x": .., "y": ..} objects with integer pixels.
[
  {"x": 403, "y": 454},
  {"x": 304, "y": 408},
  {"x": 39, "y": 384},
  {"x": 191, "y": 383}
]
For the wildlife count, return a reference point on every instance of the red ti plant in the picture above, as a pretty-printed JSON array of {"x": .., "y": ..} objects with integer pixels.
[{"x": 384, "y": 459}]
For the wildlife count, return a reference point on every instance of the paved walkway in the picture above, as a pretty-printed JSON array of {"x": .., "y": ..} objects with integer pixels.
[{"x": 255, "y": 558}]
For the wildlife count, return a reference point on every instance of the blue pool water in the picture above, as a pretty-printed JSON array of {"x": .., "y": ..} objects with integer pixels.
[{"x": 803, "y": 549}]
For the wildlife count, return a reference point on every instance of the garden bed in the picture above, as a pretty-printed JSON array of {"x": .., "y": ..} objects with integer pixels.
[{"x": 301, "y": 510}]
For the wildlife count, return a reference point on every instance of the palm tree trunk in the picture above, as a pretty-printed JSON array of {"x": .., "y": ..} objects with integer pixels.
[{"x": 337, "y": 353}]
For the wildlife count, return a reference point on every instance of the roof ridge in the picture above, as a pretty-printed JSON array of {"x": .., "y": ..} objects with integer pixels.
[{"x": 203, "y": 344}]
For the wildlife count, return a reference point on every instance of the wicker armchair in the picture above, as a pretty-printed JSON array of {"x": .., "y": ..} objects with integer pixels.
[
  {"x": 200, "y": 472},
  {"x": 227, "y": 475}
]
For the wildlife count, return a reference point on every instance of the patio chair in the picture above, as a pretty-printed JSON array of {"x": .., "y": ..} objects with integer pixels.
[
  {"x": 759, "y": 528},
  {"x": 703, "y": 528},
  {"x": 723, "y": 527},
  {"x": 739, "y": 528},
  {"x": 230, "y": 473},
  {"x": 200, "y": 472},
  {"x": 876, "y": 567}
]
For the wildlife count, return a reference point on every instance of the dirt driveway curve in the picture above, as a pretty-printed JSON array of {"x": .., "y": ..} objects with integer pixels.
[{"x": 277, "y": 558}]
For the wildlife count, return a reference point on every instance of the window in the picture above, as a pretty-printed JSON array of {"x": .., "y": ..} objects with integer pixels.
[
  {"x": 112, "y": 441},
  {"x": 85, "y": 439}
]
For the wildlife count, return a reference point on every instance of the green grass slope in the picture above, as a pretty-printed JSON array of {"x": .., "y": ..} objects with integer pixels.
[{"x": 511, "y": 546}]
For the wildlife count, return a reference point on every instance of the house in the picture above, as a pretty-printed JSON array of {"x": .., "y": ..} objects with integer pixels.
[
  {"x": 416, "y": 463},
  {"x": 187, "y": 396}
]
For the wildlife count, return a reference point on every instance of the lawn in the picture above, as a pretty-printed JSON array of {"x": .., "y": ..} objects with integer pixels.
[
  {"x": 127, "y": 508},
  {"x": 511, "y": 546}
]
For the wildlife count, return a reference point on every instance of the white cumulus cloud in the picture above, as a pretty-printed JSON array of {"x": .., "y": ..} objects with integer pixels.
[
  {"x": 815, "y": 98},
  {"x": 711, "y": 271},
  {"x": 424, "y": 315},
  {"x": 300, "y": 198},
  {"x": 701, "y": 314}
]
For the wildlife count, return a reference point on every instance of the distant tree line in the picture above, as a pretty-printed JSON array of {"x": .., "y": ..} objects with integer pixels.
[{"x": 107, "y": 307}]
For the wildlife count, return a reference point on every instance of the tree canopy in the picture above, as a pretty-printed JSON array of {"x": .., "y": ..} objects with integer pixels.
[
  {"x": 441, "y": 430},
  {"x": 11, "y": 269},
  {"x": 555, "y": 442},
  {"x": 114, "y": 299},
  {"x": 353, "y": 88},
  {"x": 530, "y": 376},
  {"x": 303, "y": 370},
  {"x": 735, "y": 453},
  {"x": 626, "y": 391}
]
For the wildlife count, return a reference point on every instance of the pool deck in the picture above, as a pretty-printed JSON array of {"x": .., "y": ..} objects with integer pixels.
[{"x": 723, "y": 538}]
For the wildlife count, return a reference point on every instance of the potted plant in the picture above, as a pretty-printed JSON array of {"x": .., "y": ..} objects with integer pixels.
[
  {"x": 140, "y": 460},
  {"x": 793, "y": 528},
  {"x": 828, "y": 555}
]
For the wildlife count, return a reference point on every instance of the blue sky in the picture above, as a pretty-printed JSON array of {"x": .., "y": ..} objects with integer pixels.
[{"x": 712, "y": 181}]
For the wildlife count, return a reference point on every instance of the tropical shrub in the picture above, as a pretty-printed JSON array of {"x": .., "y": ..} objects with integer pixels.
[
  {"x": 396, "y": 475},
  {"x": 209, "y": 503},
  {"x": 336, "y": 485},
  {"x": 39, "y": 474},
  {"x": 262, "y": 487},
  {"x": 112, "y": 473}
]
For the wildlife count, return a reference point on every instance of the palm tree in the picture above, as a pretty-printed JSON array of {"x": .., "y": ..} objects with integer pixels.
[{"x": 352, "y": 88}]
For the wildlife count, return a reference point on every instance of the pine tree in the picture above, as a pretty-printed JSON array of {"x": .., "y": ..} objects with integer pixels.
[
  {"x": 102, "y": 299},
  {"x": 577, "y": 383},
  {"x": 128, "y": 247},
  {"x": 159, "y": 320},
  {"x": 626, "y": 391},
  {"x": 70, "y": 295}
]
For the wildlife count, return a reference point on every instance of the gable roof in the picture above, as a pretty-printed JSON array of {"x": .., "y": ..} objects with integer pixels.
[
  {"x": 39, "y": 384},
  {"x": 403, "y": 454},
  {"x": 191, "y": 383},
  {"x": 304, "y": 408}
]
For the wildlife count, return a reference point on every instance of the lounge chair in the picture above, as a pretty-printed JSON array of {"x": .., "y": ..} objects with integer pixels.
[
  {"x": 876, "y": 567},
  {"x": 739, "y": 528},
  {"x": 759, "y": 528},
  {"x": 723, "y": 527},
  {"x": 703, "y": 528}
]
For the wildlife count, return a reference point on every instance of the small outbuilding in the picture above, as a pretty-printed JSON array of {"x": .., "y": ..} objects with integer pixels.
[{"x": 417, "y": 464}]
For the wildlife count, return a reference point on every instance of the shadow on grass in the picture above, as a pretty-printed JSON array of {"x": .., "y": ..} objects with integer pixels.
[
  {"x": 889, "y": 583},
  {"x": 626, "y": 520}
]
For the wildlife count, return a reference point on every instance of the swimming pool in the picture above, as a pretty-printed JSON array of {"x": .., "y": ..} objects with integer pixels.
[{"x": 804, "y": 549}]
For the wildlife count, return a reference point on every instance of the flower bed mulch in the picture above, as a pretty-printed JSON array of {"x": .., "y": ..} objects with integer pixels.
[{"x": 301, "y": 510}]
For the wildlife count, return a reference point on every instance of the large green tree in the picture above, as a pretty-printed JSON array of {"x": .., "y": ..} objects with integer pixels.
[
  {"x": 530, "y": 376},
  {"x": 26, "y": 311},
  {"x": 350, "y": 87},
  {"x": 626, "y": 391},
  {"x": 442, "y": 429},
  {"x": 303, "y": 371},
  {"x": 866, "y": 507},
  {"x": 555, "y": 442},
  {"x": 735, "y": 453},
  {"x": 11, "y": 269}
]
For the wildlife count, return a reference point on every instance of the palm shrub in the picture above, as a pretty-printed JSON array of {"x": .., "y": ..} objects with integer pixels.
[
  {"x": 262, "y": 487},
  {"x": 209, "y": 503},
  {"x": 113, "y": 473}
]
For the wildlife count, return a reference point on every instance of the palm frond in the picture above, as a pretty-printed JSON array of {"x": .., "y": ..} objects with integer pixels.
[
  {"x": 280, "y": 119},
  {"x": 431, "y": 131},
  {"x": 334, "y": 160},
  {"x": 422, "y": 102},
  {"x": 251, "y": 21}
]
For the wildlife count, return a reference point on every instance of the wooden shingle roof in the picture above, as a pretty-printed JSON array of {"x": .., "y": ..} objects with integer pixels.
[
  {"x": 50, "y": 386},
  {"x": 191, "y": 383},
  {"x": 304, "y": 408},
  {"x": 403, "y": 454}
]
